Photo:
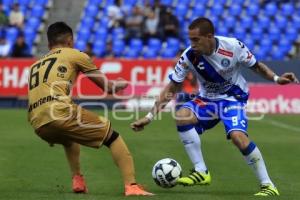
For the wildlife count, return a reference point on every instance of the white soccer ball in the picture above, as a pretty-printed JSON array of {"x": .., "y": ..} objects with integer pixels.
[{"x": 165, "y": 172}]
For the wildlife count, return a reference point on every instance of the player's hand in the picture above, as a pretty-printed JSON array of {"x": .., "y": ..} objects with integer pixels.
[
  {"x": 139, "y": 124},
  {"x": 120, "y": 84},
  {"x": 287, "y": 78}
]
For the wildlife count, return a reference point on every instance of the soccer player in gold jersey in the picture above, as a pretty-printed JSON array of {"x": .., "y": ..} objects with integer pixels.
[{"x": 57, "y": 120}]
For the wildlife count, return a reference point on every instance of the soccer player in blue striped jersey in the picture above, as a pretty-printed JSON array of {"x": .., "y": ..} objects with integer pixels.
[{"x": 223, "y": 96}]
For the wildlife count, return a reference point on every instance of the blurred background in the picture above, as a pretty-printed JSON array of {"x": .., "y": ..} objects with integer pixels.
[{"x": 140, "y": 40}]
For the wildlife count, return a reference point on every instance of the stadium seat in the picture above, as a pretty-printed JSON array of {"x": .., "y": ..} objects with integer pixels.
[
  {"x": 40, "y": 2},
  {"x": 291, "y": 34},
  {"x": 154, "y": 44},
  {"x": 181, "y": 11},
  {"x": 266, "y": 44},
  {"x": 166, "y": 2},
  {"x": 24, "y": 2},
  {"x": 235, "y": 10},
  {"x": 33, "y": 23},
  {"x": 270, "y": 9},
  {"x": 168, "y": 53},
  {"x": 95, "y": 2},
  {"x": 285, "y": 45},
  {"x": 173, "y": 43},
  {"x": 221, "y": 2},
  {"x": 11, "y": 34},
  {"x": 222, "y": 31},
  {"x": 240, "y": 33},
  {"x": 150, "y": 53},
  {"x": 264, "y": 22},
  {"x": 131, "y": 54},
  {"x": 7, "y": 3},
  {"x": 101, "y": 34},
  {"x": 80, "y": 45},
  {"x": 87, "y": 22},
  {"x": 37, "y": 11},
  {"x": 91, "y": 11},
  {"x": 260, "y": 55},
  {"x": 118, "y": 47},
  {"x": 274, "y": 34},
  {"x": 296, "y": 22},
  {"x": 199, "y": 10},
  {"x": 230, "y": 22},
  {"x": 130, "y": 2},
  {"x": 99, "y": 48},
  {"x": 246, "y": 22},
  {"x": 136, "y": 45},
  {"x": 257, "y": 33},
  {"x": 253, "y": 10},
  {"x": 104, "y": 21},
  {"x": 84, "y": 34},
  {"x": 118, "y": 33},
  {"x": 277, "y": 54},
  {"x": 287, "y": 9},
  {"x": 248, "y": 41},
  {"x": 217, "y": 10},
  {"x": 281, "y": 22}
]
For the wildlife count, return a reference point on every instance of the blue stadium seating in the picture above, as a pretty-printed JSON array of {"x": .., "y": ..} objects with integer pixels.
[
  {"x": 99, "y": 48},
  {"x": 33, "y": 11},
  {"x": 136, "y": 45},
  {"x": 264, "y": 27},
  {"x": 150, "y": 53}
]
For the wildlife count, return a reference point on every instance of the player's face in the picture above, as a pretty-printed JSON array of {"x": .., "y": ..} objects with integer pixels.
[{"x": 200, "y": 43}]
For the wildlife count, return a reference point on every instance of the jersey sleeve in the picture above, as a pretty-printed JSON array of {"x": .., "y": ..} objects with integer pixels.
[
  {"x": 83, "y": 62},
  {"x": 245, "y": 57},
  {"x": 180, "y": 70}
]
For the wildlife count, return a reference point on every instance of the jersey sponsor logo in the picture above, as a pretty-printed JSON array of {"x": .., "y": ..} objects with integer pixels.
[
  {"x": 201, "y": 66},
  {"x": 235, "y": 107},
  {"x": 225, "y": 52},
  {"x": 249, "y": 55},
  {"x": 40, "y": 102},
  {"x": 225, "y": 62}
]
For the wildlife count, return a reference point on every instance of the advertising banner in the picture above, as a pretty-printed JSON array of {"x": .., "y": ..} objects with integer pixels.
[{"x": 146, "y": 78}]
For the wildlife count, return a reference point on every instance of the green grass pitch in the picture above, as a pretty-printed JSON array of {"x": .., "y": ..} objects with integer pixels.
[{"x": 30, "y": 169}]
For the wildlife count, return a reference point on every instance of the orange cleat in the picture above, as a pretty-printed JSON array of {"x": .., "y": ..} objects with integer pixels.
[
  {"x": 136, "y": 190},
  {"x": 79, "y": 185}
]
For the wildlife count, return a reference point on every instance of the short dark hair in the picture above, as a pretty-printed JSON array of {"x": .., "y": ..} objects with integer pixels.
[
  {"x": 57, "y": 33},
  {"x": 204, "y": 24}
]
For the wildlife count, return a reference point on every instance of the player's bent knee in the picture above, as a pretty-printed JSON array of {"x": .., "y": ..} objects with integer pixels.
[
  {"x": 112, "y": 138},
  {"x": 240, "y": 139},
  {"x": 185, "y": 116}
]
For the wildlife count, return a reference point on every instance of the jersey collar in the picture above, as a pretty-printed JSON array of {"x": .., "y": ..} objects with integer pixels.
[{"x": 217, "y": 44}]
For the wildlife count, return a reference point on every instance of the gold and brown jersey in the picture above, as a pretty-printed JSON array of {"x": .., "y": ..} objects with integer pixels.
[{"x": 50, "y": 82}]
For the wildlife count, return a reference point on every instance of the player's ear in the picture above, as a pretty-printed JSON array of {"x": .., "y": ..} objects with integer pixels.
[{"x": 70, "y": 41}]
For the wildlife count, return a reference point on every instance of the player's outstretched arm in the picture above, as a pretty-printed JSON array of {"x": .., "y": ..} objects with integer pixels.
[
  {"x": 165, "y": 96},
  {"x": 267, "y": 73},
  {"x": 102, "y": 81}
]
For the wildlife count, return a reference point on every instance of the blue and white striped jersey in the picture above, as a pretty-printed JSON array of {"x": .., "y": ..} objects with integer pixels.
[{"x": 219, "y": 74}]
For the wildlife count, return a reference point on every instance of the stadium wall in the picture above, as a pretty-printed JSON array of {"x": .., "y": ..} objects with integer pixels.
[{"x": 146, "y": 78}]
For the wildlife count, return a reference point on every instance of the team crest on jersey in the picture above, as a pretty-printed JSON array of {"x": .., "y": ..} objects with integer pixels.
[
  {"x": 62, "y": 69},
  {"x": 225, "y": 62}
]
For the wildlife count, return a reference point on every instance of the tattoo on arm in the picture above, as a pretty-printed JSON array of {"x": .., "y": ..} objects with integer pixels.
[{"x": 264, "y": 71}]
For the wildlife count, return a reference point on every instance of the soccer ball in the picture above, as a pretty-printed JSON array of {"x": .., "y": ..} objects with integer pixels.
[{"x": 165, "y": 172}]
